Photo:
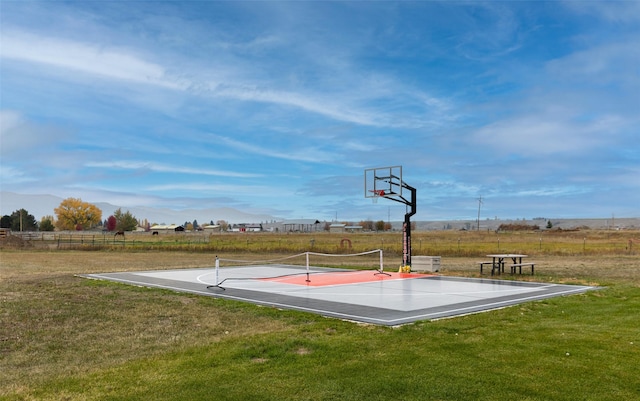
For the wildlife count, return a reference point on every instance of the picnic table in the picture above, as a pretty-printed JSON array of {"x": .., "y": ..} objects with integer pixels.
[{"x": 497, "y": 264}]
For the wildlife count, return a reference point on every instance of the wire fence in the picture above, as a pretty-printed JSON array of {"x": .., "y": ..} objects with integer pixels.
[{"x": 441, "y": 243}]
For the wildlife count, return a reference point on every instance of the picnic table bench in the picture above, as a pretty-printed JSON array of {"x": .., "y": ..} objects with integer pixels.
[
  {"x": 519, "y": 265},
  {"x": 498, "y": 262},
  {"x": 493, "y": 267}
]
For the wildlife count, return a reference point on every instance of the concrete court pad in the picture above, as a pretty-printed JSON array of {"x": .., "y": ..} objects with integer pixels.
[{"x": 362, "y": 296}]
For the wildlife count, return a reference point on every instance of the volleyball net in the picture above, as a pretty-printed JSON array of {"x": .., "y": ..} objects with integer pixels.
[{"x": 305, "y": 263}]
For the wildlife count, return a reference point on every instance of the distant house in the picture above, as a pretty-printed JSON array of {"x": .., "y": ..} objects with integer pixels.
[
  {"x": 244, "y": 227},
  {"x": 337, "y": 227},
  {"x": 162, "y": 228},
  {"x": 301, "y": 225},
  {"x": 353, "y": 229},
  {"x": 211, "y": 228}
]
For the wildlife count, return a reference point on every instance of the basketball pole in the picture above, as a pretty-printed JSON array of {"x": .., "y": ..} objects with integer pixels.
[
  {"x": 406, "y": 227},
  {"x": 392, "y": 176}
]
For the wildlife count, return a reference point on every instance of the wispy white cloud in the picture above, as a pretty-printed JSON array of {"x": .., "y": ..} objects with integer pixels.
[
  {"x": 499, "y": 99},
  {"x": 10, "y": 175},
  {"x": 165, "y": 168},
  {"x": 347, "y": 104},
  {"x": 21, "y": 139},
  {"x": 82, "y": 57},
  {"x": 498, "y": 37},
  {"x": 551, "y": 192},
  {"x": 308, "y": 154},
  {"x": 537, "y": 135},
  {"x": 219, "y": 189},
  {"x": 601, "y": 65},
  {"x": 613, "y": 11}
]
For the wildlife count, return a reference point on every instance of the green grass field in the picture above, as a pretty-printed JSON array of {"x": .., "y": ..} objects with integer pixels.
[{"x": 63, "y": 337}]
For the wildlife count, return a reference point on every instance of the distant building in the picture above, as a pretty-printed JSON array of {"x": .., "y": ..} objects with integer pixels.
[
  {"x": 301, "y": 225},
  {"x": 244, "y": 227},
  {"x": 161, "y": 228},
  {"x": 337, "y": 227},
  {"x": 211, "y": 228}
]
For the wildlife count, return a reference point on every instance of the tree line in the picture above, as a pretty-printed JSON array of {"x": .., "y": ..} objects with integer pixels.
[
  {"x": 75, "y": 215},
  {"x": 71, "y": 215}
]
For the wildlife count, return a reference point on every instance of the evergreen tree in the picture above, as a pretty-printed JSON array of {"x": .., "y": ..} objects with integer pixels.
[
  {"x": 21, "y": 220},
  {"x": 125, "y": 221},
  {"x": 46, "y": 224},
  {"x": 5, "y": 221}
]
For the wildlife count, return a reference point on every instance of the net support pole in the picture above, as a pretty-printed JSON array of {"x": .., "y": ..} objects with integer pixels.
[
  {"x": 381, "y": 269},
  {"x": 217, "y": 270},
  {"x": 308, "y": 279}
]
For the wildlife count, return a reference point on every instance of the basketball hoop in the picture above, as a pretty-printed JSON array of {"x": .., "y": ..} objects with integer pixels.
[
  {"x": 387, "y": 182},
  {"x": 376, "y": 194}
]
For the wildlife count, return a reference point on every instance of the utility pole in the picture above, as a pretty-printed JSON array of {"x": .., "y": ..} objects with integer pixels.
[{"x": 479, "y": 204}]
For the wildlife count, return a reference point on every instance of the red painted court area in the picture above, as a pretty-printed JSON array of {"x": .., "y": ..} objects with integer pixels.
[{"x": 341, "y": 278}]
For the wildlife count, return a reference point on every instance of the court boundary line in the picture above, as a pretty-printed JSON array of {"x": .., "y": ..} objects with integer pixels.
[{"x": 368, "y": 314}]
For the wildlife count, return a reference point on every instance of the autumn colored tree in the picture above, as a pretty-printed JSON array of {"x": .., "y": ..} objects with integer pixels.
[
  {"x": 111, "y": 223},
  {"x": 367, "y": 224},
  {"x": 223, "y": 224},
  {"x": 74, "y": 214}
]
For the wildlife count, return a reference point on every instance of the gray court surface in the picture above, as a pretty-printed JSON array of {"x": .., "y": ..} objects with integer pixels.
[{"x": 368, "y": 297}]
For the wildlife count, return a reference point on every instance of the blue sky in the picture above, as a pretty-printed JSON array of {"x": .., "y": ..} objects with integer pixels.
[{"x": 278, "y": 107}]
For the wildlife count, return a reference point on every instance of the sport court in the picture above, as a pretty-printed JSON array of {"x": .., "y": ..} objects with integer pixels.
[
  {"x": 367, "y": 296},
  {"x": 372, "y": 296}
]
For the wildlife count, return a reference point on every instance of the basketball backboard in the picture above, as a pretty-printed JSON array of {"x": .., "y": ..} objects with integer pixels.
[{"x": 383, "y": 182}]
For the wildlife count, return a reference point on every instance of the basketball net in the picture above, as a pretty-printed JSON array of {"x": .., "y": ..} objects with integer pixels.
[{"x": 376, "y": 195}]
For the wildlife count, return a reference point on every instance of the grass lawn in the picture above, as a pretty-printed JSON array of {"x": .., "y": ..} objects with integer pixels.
[{"x": 63, "y": 337}]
